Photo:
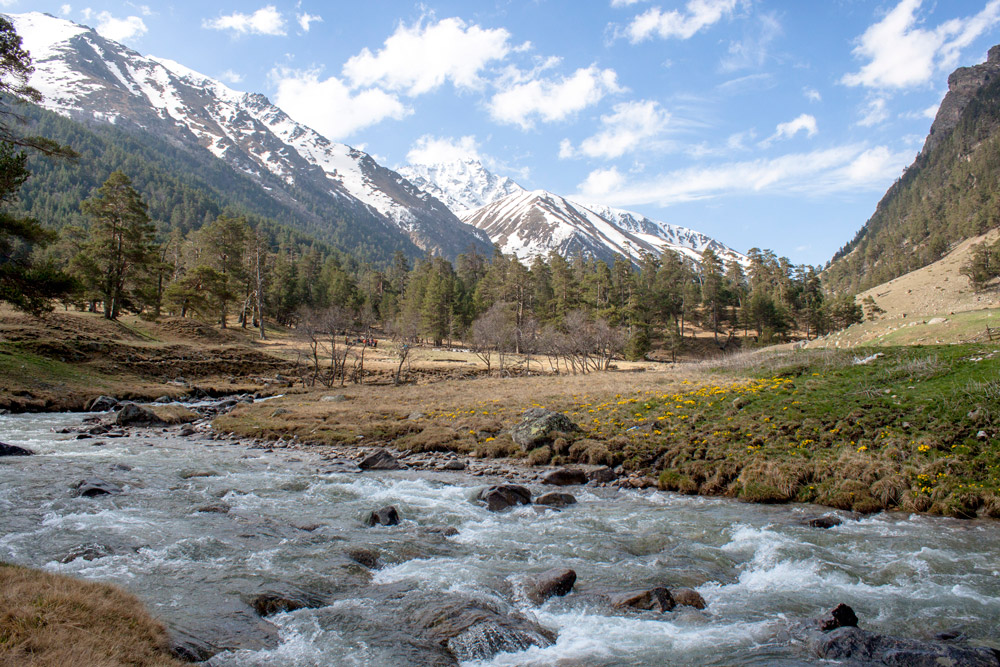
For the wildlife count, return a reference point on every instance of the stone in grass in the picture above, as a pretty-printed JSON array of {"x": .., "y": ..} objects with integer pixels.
[
  {"x": 504, "y": 496},
  {"x": 380, "y": 459},
  {"x": 555, "y": 499},
  {"x": 14, "y": 450},
  {"x": 555, "y": 582},
  {"x": 538, "y": 426},
  {"x": 653, "y": 599},
  {"x": 386, "y": 516},
  {"x": 335, "y": 398}
]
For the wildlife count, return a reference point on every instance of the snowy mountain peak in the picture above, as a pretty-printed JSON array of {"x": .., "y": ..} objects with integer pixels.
[
  {"x": 461, "y": 185},
  {"x": 90, "y": 78}
]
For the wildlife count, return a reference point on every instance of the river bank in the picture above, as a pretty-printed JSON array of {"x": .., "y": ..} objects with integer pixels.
[{"x": 201, "y": 523}]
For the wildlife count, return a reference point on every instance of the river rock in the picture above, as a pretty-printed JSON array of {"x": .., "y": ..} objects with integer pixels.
[
  {"x": 14, "y": 450},
  {"x": 555, "y": 582},
  {"x": 857, "y": 646},
  {"x": 386, "y": 516},
  {"x": 333, "y": 467},
  {"x": 504, "y": 496},
  {"x": 453, "y": 464},
  {"x": 565, "y": 477},
  {"x": 136, "y": 415},
  {"x": 102, "y": 404},
  {"x": 826, "y": 521},
  {"x": 270, "y": 602},
  {"x": 555, "y": 499},
  {"x": 688, "y": 597},
  {"x": 91, "y": 551},
  {"x": 88, "y": 488},
  {"x": 214, "y": 508},
  {"x": 380, "y": 459},
  {"x": 474, "y": 630},
  {"x": 186, "y": 431},
  {"x": 538, "y": 426},
  {"x": 654, "y": 599},
  {"x": 841, "y": 616},
  {"x": 364, "y": 556},
  {"x": 602, "y": 475}
]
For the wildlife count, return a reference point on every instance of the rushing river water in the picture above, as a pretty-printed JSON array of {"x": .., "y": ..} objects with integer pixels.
[{"x": 757, "y": 567}]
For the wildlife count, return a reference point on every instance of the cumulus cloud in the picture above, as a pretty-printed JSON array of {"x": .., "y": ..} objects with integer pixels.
[
  {"x": 306, "y": 19},
  {"x": 812, "y": 95},
  {"x": 844, "y": 168},
  {"x": 901, "y": 54},
  {"x": 804, "y": 123},
  {"x": 549, "y": 100},
  {"x": 230, "y": 76},
  {"x": 697, "y": 15},
  {"x": 420, "y": 58},
  {"x": 874, "y": 112},
  {"x": 329, "y": 106},
  {"x": 65, "y": 10},
  {"x": 120, "y": 30},
  {"x": 443, "y": 150},
  {"x": 624, "y": 130},
  {"x": 265, "y": 21}
]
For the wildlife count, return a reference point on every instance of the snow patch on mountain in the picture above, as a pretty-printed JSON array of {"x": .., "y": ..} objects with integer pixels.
[{"x": 461, "y": 185}]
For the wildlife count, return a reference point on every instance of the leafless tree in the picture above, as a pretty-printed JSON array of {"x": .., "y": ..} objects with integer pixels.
[{"x": 495, "y": 332}]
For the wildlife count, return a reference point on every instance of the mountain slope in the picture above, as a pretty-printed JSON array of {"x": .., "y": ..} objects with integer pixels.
[
  {"x": 89, "y": 78},
  {"x": 951, "y": 192},
  {"x": 462, "y": 185}
]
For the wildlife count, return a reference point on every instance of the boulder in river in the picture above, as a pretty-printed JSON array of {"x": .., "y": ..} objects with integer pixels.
[
  {"x": 825, "y": 521},
  {"x": 565, "y": 477},
  {"x": 504, "y": 496},
  {"x": 364, "y": 556},
  {"x": 602, "y": 475},
  {"x": 555, "y": 499},
  {"x": 857, "y": 646},
  {"x": 555, "y": 582},
  {"x": 386, "y": 516},
  {"x": 538, "y": 427},
  {"x": 91, "y": 551},
  {"x": 688, "y": 597},
  {"x": 88, "y": 488},
  {"x": 102, "y": 404},
  {"x": 841, "y": 616},
  {"x": 270, "y": 602},
  {"x": 136, "y": 415},
  {"x": 380, "y": 459},
  {"x": 653, "y": 599},
  {"x": 14, "y": 450}
]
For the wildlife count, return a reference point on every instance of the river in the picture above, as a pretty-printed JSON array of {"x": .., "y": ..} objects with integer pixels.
[{"x": 284, "y": 516}]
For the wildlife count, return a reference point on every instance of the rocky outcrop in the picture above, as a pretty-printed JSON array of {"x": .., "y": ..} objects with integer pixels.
[
  {"x": 555, "y": 582},
  {"x": 88, "y": 488},
  {"x": 504, "y": 496},
  {"x": 688, "y": 597},
  {"x": 270, "y": 602},
  {"x": 363, "y": 556},
  {"x": 963, "y": 84},
  {"x": 102, "y": 404},
  {"x": 136, "y": 415},
  {"x": 14, "y": 450},
  {"x": 538, "y": 427},
  {"x": 857, "y": 646}
]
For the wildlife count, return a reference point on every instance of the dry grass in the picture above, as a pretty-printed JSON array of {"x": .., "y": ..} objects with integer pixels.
[{"x": 48, "y": 620}]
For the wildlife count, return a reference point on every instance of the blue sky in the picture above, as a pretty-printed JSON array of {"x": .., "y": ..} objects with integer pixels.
[{"x": 776, "y": 124}]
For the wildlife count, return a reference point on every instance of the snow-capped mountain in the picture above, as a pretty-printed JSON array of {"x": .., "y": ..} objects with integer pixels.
[
  {"x": 90, "y": 78},
  {"x": 463, "y": 185},
  {"x": 529, "y": 224}
]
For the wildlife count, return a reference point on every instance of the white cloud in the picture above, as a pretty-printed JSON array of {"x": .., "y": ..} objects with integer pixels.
[
  {"x": 845, "y": 168},
  {"x": 812, "y": 95},
  {"x": 420, "y": 58},
  {"x": 697, "y": 14},
  {"x": 875, "y": 112},
  {"x": 305, "y": 19},
  {"x": 230, "y": 76},
  {"x": 65, "y": 10},
  {"x": 87, "y": 13},
  {"x": 622, "y": 131},
  {"x": 438, "y": 150},
  {"x": 120, "y": 30},
  {"x": 901, "y": 54},
  {"x": 804, "y": 123},
  {"x": 752, "y": 50},
  {"x": 551, "y": 100},
  {"x": 265, "y": 21},
  {"x": 624, "y": 3},
  {"x": 329, "y": 106}
]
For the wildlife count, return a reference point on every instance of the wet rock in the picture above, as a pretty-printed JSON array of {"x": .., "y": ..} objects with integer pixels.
[
  {"x": 99, "y": 429},
  {"x": 335, "y": 398},
  {"x": 555, "y": 499},
  {"x": 453, "y": 464},
  {"x": 654, "y": 599},
  {"x": 121, "y": 466},
  {"x": 334, "y": 467},
  {"x": 99, "y": 443},
  {"x": 841, "y": 616},
  {"x": 214, "y": 508},
  {"x": 102, "y": 404},
  {"x": 827, "y": 521},
  {"x": 189, "y": 474},
  {"x": 386, "y": 516},
  {"x": 474, "y": 630},
  {"x": 163, "y": 399},
  {"x": 504, "y": 496},
  {"x": 555, "y": 582},
  {"x": 308, "y": 527},
  {"x": 447, "y": 531},
  {"x": 364, "y": 556},
  {"x": 88, "y": 488},
  {"x": 186, "y": 432},
  {"x": 857, "y": 646},
  {"x": 136, "y": 415},
  {"x": 565, "y": 477},
  {"x": 380, "y": 459},
  {"x": 538, "y": 426},
  {"x": 14, "y": 450},
  {"x": 602, "y": 475},
  {"x": 688, "y": 597},
  {"x": 91, "y": 551},
  {"x": 270, "y": 602},
  {"x": 84, "y": 436}
]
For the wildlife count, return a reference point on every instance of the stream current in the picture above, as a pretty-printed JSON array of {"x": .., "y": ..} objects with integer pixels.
[{"x": 285, "y": 516}]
